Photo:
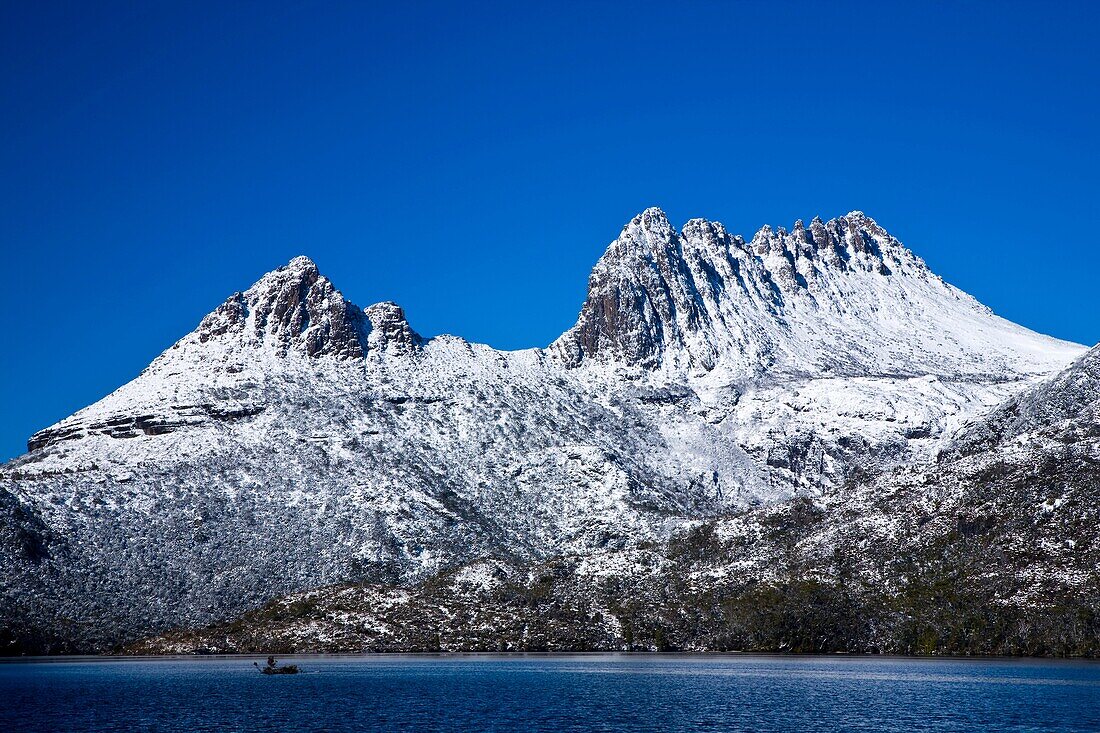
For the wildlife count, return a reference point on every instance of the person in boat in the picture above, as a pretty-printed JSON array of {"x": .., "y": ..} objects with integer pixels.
[{"x": 272, "y": 668}]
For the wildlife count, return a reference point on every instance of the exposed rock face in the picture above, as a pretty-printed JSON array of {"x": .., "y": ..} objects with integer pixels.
[
  {"x": 293, "y": 440},
  {"x": 842, "y": 298},
  {"x": 294, "y": 307},
  {"x": 389, "y": 329},
  {"x": 641, "y": 296},
  {"x": 131, "y": 426}
]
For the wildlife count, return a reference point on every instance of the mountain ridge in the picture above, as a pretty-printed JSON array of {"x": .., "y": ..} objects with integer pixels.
[
  {"x": 294, "y": 440},
  {"x": 660, "y": 295}
]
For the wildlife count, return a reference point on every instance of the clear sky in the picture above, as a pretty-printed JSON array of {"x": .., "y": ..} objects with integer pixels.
[{"x": 472, "y": 160}]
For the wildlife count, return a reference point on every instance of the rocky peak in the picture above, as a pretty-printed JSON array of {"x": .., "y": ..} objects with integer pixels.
[
  {"x": 639, "y": 294},
  {"x": 647, "y": 240},
  {"x": 389, "y": 330},
  {"x": 653, "y": 222},
  {"x": 293, "y": 308},
  {"x": 701, "y": 296},
  {"x": 657, "y": 289}
]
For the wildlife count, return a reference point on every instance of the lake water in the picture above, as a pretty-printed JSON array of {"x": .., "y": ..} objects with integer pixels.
[{"x": 558, "y": 693}]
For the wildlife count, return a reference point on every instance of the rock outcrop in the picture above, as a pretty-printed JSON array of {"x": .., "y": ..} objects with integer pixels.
[{"x": 294, "y": 307}]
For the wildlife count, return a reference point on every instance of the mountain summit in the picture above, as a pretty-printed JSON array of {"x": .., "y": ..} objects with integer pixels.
[
  {"x": 293, "y": 307},
  {"x": 841, "y": 297},
  {"x": 294, "y": 439}
]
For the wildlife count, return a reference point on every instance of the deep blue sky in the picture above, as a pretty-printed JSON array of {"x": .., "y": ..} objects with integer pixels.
[{"x": 471, "y": 161}]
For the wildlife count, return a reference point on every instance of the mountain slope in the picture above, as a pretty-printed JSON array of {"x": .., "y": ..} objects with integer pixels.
[
  {"x": 990, "y": 551},
  {"x": 294, "y": 440}
]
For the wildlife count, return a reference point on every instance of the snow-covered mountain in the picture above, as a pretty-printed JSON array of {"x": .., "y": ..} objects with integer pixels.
[
  {"x": 294, "y": 439},
  {"x": 992, "y": 549},
  {"x": 842, "y": 298}
]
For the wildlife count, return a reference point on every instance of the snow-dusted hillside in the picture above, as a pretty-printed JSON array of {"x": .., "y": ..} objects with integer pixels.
[
  {"x": 294, "y": 439},
  {"x": 992, "y": 549}
]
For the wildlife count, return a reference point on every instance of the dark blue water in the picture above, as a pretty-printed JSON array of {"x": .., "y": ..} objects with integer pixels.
[{"x": 582, "y": 693}]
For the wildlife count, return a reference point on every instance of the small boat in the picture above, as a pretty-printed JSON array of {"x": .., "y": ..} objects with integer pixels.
[{"x": 272, "y": 668}]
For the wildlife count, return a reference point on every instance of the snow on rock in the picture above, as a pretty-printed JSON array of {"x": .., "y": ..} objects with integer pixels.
[
  {"x": 839, "y": 298},
  {"x": 294, "y": 440}
]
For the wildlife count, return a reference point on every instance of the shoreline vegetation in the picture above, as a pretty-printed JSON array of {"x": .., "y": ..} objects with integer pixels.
[{"x": 553, "y": 609}]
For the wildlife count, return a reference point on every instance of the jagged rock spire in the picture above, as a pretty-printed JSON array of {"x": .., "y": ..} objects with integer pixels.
[
  {"x": 389, "y": 330},
  {"x": 657, "y": 291}
]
